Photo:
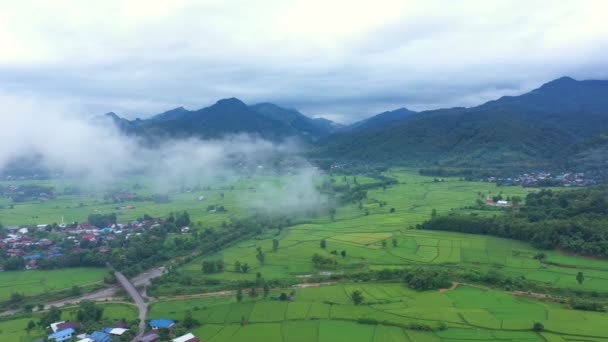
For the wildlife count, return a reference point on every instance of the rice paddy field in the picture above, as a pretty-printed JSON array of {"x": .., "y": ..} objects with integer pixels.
[
  {"x": 30, "y": 283},
  {"x": 235, "y": 195},
  {"x": 365, "y": 232},
  {"x": 361, "y": 236},
  {"x": 326, "y": 313}
]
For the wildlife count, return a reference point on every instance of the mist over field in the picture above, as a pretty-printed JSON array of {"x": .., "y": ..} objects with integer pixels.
[{"x": 101, "y": 154}]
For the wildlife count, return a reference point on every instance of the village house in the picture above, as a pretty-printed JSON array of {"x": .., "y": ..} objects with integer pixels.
[
  {"x": 189, "y": 337},
  {"x": 161, "y": 323},
  {"x": 62, "y": 335}
]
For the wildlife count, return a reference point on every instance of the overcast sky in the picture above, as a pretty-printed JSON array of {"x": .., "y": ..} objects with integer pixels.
[{"x": 343, "y": 60}]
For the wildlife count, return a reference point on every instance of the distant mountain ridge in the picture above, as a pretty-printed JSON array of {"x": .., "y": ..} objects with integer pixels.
[
  {"x": 551, "y": 125},
  {"x": 225, "y": 117},
  {"x": 382, "y": 120},
  {"x": 547, "y": 126}
]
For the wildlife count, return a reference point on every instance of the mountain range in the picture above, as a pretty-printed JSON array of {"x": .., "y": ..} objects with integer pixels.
[
  {"x": 225, "y": 117},
  {"x": 557, "y": 125}
]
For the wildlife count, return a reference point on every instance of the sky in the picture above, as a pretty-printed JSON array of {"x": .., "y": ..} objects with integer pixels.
[{"x": 343, "y": 60}]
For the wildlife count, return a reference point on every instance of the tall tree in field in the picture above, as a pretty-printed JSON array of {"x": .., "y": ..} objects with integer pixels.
[
  {"x": 261, "y": 256},
  {"x": 275, "y": 245},
  {"x": 357, "y": 297},
  {"x": 30, "y": 325},
  {"x": 580, "y": 277},
  {"x": 383, "y": 243},
  {"x": 188, "y": 321},
  {"x": 239, "y": 295},
  {"x": 266, "y": 289},
  {"x": 323, "y": 243},
  {"x": 343, "y": 254},
  {"x": 394, "y": 242}
]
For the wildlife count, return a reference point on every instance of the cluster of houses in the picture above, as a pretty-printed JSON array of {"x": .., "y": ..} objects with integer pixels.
[
  {"x": 20, "y": 242},
  {"x": 541, "y": 179},
  {"x": 154, "y": 336},
  {"x": 68, "y": 331}
]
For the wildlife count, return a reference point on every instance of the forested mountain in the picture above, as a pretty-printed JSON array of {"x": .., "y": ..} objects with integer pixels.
[
  {"x": 297, "y": 120},
  {"x": 382, "y": 120},
  {"x": 560, "y": 124},
  {"x": 549, "y": 126},
  {"x": 225, "y": 117}
]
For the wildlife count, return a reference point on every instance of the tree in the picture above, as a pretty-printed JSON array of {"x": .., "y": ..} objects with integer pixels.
[
  {"x": 219, "y": 266},
  {"x": 266, "y": 289},
  {"x": 580, "y": 278},
  {"x": 51, "y": 316},
  {"x": 357, "y": 297},
  {"x": 516, "y": 200},
  {"x": 182, "y": 219},
  {"x": 245, "y": 268},
  {"x": 239, "y": 295},
  {"x": 16, "y": 297},
  {"x": 253, "y": 292},
  {"x": 88, "y": 311},
  {"x": 275, "y": 245},
  {"x": 332, "y": 214},
  {"x": 261, "y": 256},
  {"x": 343, "y": 253},
  {"x": 75, "y": 291},
  {"x": 394, "y": 242},
  {"x": 392, "y": 210},
  {"x": 237, "y": 266},
  {"x": 383, "y": 243},
  {"x": 540, "y": 256},
  {"x": 258, "y": 279},
  {"x": 164, "y": 334},
  {"x": 188, "y": 321},
  {"x": 433, "y": 213},
  {"x": 28, "y": 307},
  {"x": 538, "y": 327},
  {"x": 30, "y": 325},
  {"x": 323, "y": 243}
]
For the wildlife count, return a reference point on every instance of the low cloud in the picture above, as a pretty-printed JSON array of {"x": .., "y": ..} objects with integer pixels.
[{"x": 99, "y": 153}]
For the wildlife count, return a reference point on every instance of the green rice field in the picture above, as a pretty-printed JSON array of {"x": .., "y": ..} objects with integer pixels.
[
  {"x": 30, "y": 283},
  {"x": 326, "y": 313},
  {"x": 361, "y": 237}
]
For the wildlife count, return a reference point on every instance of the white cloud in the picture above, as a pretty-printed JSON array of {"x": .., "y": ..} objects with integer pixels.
[{"x": 326, "y": 57}]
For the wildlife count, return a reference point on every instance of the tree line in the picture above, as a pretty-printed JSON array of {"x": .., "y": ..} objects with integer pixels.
[{"x": 575, "y": 221}]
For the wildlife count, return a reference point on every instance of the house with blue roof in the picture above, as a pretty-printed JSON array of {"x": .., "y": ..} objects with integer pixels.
[
  {"x": 33, "y": 257},
  {"x": 99, "y": 336},
  {"x": 62, "y": 335},
  {"x": 161, "y": 323}
]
